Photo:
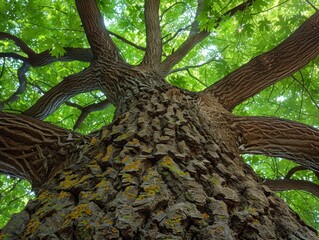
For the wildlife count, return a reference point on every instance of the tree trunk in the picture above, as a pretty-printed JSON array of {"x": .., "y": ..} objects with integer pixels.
[{"x": 168, "y": 167}]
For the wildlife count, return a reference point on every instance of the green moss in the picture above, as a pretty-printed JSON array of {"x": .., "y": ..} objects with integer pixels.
[{"x": 214, "y": 180}]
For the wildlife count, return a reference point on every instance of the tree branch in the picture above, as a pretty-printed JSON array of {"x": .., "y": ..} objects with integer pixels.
[
  {"x": 127, "y": 41},
  {"x": 312, "y": 5},
  {"x": 266, "y": 69},
  {"x": 44, "y": 58},
  {"x": 22, "y": 85},
  {"x": 174, "y": 35},
  {"x": 196, "y": 78},
  {"x": 32, "y": 149},
  {"x": 19, "y": 42},
  {"x": 278, "y": 138},
  {"x": 99, "y": 39},
  {"x": 197, "y": 66},
  {"x": 294, "y": 170},
  {"x": 195, "y": 37},
  {"x": 169, "y": 8},
  {"x": 171, "y": 60},
  {"x": 70, "y": 86},
  {"x": 291, "y": 184},
  {"x": 85, "y": 111},
  {"x": 153, "y": 54}
]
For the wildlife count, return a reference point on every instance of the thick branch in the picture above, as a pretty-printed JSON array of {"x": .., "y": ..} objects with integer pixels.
[
  {"x": 196, "y": 37},
  {"x": 99, "y": 39},
  {"x": 264, "y": 70},
  {"x": 70, "y": 86},
  {"x": 32, "y": 149},
  {"x": 278, "y": 138},
  {"x": 291, "y": 184},
  {"x": 153, "y": 52}
]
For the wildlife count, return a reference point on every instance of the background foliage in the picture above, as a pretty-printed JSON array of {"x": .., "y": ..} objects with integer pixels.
[{"x": 54, "y": 24}]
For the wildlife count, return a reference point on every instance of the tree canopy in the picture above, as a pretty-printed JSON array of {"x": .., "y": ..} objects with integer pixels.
[{"x": 232, "y": 33}]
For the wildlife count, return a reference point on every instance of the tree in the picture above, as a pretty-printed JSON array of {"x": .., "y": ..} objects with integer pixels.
[{"x": 169, "y": 165}]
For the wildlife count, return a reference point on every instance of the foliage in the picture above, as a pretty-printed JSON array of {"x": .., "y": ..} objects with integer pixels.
[{"x": 234, "y": 41}]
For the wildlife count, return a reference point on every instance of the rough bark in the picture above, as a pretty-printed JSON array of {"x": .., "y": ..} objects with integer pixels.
[{"x": 162, "y": 170}]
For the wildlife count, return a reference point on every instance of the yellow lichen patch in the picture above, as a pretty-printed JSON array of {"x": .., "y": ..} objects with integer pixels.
[
  {"x": 88, "y": 195},
  {"x": 133, "y": 166},
  {"x": 108, "y": 221},
  {"x": 214, "y": 181},
  {"x": 32, "y": 226},
  {"x": 80, "y": 211},
  {"x": 72, "y": 180},
  {"x": 149, "y": 191},
  {"x": 130, "y": 192},
  {"x": 98, "y": 156},
  {"x": 108, "y": 154},
  {"x": 152, "y": 189},
  {"x": 64, "y": 195},
  {"x": 104, "y": 133},
  {"x": 174, "y": 221},
  {"x": 256, "y": 222},
  {"x": 146, "y": 149},
  {"x": 134, "y": 141},
  {"x": 126, "y": 177},
  {"x": 44, "y": 195},
  {"x": 103, "y": 184},
  {"x": 93, "y": 141},
  {"x": 168, "y": 163},
  {"x": 125, "y": 159},
  {"x": 205, "y": 216},
  {"x": 124, "y": 136}
]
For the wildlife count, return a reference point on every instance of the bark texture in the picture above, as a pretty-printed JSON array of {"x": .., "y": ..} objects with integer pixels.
[{"x": 162, "y": 170}]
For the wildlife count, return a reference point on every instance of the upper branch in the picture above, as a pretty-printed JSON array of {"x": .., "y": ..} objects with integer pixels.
[
  {"x": 99, "y": 39},
  {"x": 266, "y": 69},
  {"x": 44, "y": 58},
  {"x": 196, "y": 36},
  {"x": 19, "y": 42},
  {"x": 32, "y": 149},
  {"x": 153, "y": 52},
  {"x": 70, "y": 86},
  {"x": 278, "y": 138}
]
